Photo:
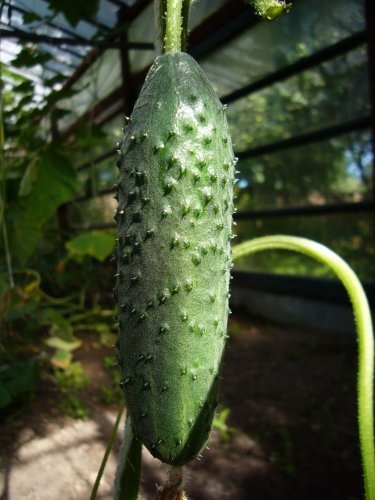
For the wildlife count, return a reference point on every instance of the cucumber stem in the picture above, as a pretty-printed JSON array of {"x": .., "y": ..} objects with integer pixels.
[
  {"x": 363, "y": 323},
  {"x": 173, "y": 28},
  {"x": 173, "y": 488},
  {"x": 106, "y": 454}
]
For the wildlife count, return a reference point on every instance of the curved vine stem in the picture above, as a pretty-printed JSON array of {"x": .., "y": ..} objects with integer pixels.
[
  {"x": 363, "y": 322},
  {"x": 106, "y": 454},
  {"x": 3, "y": 224}
]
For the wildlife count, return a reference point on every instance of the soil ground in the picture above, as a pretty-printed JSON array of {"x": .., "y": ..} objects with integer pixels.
[{"x": 293, "y": 430}]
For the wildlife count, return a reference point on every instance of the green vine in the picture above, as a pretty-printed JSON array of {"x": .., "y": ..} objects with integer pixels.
[
  {"x": 363, "y": 322},
  {"x": 8, "y": 256},
  {"x": 106, "y": 454}
]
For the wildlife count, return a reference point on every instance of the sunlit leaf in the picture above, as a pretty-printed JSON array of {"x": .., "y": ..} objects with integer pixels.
[
  {"x": 59, "y": 343},
  {"x": 62, "y": 358},
  {"x": 96, "y": 244}
]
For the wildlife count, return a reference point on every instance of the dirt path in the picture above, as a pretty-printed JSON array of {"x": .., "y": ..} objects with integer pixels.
[{"x": 292, "y": 402}]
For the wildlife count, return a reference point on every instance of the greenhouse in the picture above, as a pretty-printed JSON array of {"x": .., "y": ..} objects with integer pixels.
[{"x": 187, "y": 249}]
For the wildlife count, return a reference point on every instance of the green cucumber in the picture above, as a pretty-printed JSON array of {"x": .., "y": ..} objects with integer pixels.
[{"x": 174, "y": 217}]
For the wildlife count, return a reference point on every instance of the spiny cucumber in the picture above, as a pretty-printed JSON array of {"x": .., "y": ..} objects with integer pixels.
[{"x": 174, "y": 217}]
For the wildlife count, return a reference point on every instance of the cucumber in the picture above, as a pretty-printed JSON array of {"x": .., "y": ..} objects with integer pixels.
[{"x": 173, "y": 252}]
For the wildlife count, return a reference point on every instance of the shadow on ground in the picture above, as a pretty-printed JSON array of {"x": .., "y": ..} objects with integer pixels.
[{"x": 291, "y": 395}]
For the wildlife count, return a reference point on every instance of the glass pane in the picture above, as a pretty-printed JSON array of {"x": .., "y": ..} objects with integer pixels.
[
  {"x": 142, "y": 30},
  {"x": 331, "y": 93},
  {"x": 334, "y": 171},
  {"x": 350, "y": 235},
  {"x": 202, "y": 10},
  {"x": 309, "y": 26},
  {"x": 98, "y": 82}
]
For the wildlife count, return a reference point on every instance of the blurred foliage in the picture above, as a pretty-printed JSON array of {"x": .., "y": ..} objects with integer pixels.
[
  {"x": 17, "y": 381},
  {"x": 71, "y": 383},
  {"x": 51, "y": 283},
  {"x": 97, "y": 244},
  {"x": 112, "y": 393},
  {"x": 220, "y": 424}
]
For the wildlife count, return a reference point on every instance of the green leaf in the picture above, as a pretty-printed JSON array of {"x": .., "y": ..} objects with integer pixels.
[
  {"x": 16, "y": 380},
  {"x": 30, "y": 56},
  {"x": 63, "y": 345},
  {"x": 75, "y": 10},
  {"x": 57, "y": 95},
  {"x": 54, "y": 184},
  {"x": 96, "y": 244},
  {"x": 59, "y": 325},
  {"x": 5, "y": 398},
  {"x": 58, "y": 113},
  {"x": 61, "y": 331},
  {"x": 50, "y": 82},
  {"x": 25, "y": 87},
  {"x": 22, "y": 241},
  {"x": 62, "y": 358},
  {"x": 1, "y": 208},
  {"x": 30, "y": 17},
  {"x": 28, "y": 180}
]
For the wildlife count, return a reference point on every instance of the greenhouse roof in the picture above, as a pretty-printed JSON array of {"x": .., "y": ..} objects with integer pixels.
[{"x": 298, "y": 92}]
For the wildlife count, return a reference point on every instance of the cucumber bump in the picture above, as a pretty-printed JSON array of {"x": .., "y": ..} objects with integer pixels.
[{"x": 173, "y": 252}]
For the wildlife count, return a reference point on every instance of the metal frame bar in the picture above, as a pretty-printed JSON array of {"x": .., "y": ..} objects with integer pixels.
[
  {"x": 307, "y": 138},
  {"x": 321, "y": 289},
  {"x": 58, "y": 41},
  {"x": 309, "y": 210},
  {"x": 300, "y": 140},
  {"x": 117, "y": 3}
]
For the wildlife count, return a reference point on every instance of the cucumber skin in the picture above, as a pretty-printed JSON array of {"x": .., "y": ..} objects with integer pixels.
[{"x": 174, "y": 215}]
